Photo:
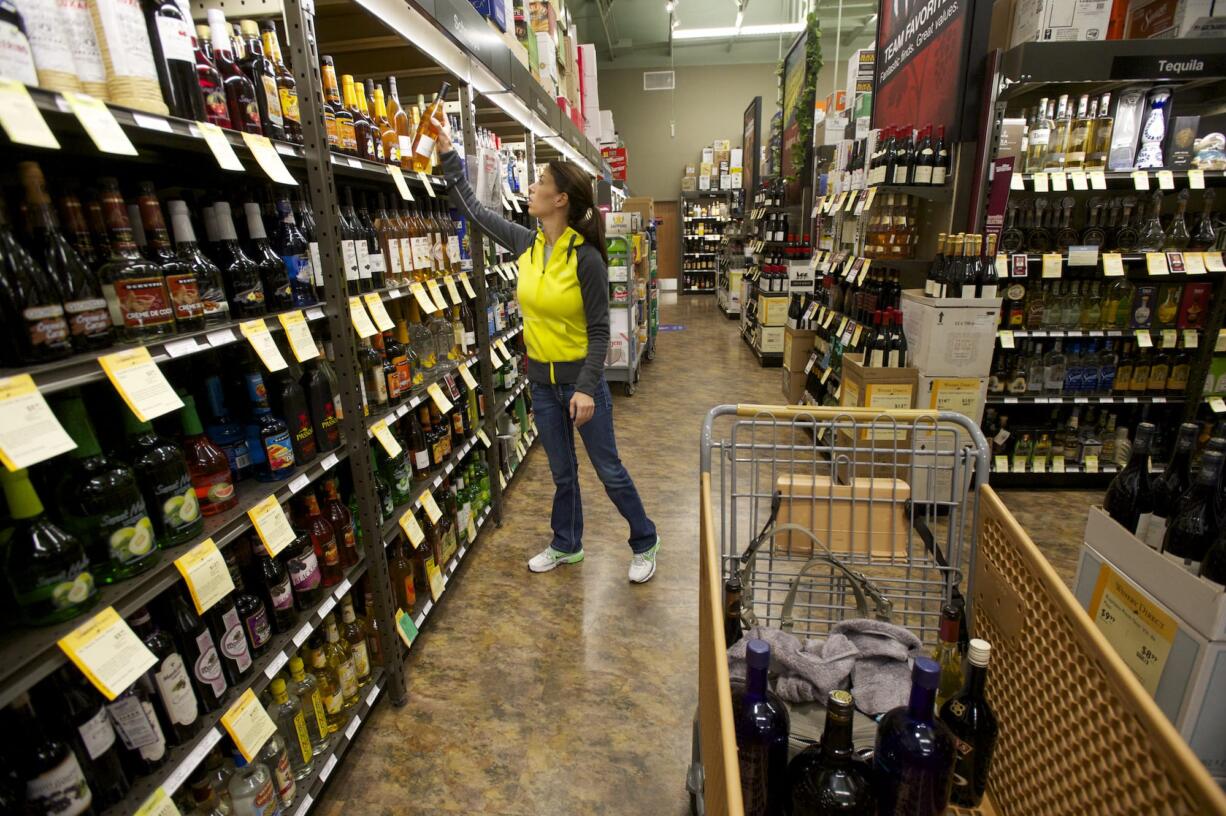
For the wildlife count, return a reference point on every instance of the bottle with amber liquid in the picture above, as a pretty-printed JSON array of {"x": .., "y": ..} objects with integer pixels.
[
  {"x": 399, "y": 118},
  {"x": 287, "y": 86},
  {"x": 263, "y": 75},
  {"x": 341, "y": 519},
  {"x": 323, "y": 538},
  {"x": 336, "y": 118},
  {"x": 240, "y": 92},
  {"x": 375, "y": 144},
  {"x": 134, "y": 288},
  {"x": 387, "y": 131},
  {"x": 360, "y": 137},
  {"x": 427, "y": 132}
]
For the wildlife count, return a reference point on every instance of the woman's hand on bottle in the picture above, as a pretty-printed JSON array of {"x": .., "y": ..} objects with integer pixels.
[
  {"x": 444, "y": 132},
  {"x": 581, "y": 408}
]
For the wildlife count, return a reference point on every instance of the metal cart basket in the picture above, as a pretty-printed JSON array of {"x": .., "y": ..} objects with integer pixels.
[{"x": 891, "y": 496}]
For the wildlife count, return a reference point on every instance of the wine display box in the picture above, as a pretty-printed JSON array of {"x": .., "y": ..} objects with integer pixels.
[
  {"x": 1167, "y": 624},
  {"x": 950, "y": 336}
]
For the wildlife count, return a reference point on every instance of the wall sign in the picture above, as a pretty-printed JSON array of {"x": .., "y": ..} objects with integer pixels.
[{"x": 1181, "y": 67}]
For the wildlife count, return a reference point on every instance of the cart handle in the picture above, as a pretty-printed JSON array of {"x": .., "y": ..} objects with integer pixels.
[{"x": 834, "y": 412}]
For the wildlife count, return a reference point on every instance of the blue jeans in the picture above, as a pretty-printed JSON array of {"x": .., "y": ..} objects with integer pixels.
[{"x": 551, "y": 405}]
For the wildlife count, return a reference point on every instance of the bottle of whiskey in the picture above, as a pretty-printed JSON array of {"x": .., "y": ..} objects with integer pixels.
[{"x": 427, "y": 132}]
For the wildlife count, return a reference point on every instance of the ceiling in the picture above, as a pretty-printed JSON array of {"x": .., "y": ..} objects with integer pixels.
[{"x": 635, "y": 33}]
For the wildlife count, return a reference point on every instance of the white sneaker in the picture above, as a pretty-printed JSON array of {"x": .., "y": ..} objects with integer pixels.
[
  {"x": 643, "y": 565},
  {"x": 550, "y": 558}
]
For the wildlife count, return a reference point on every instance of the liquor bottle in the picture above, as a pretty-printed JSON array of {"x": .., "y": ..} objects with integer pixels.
[
  {"x": 18, "y": 59},
  {"x": 1170, "y": 484},
  {"x": 82, "y": 714},
  {"x": 290, "y": 403},
  {"x": 358, "y": 244},
  {"x": 226, "y": 433},
  {"x": 358, "y": 137},
  {"x": 341, "y": 661},
  {"x": 355, "y": 634},
  {"x": 1063, "y": 122},
  {"x": 306, "y": 688},
  {"x": 210, "y": 290},
  {"x": 263, "y": 76},
  {"x": 399, "y": 119},
  {"x": 319, "y": 400},
  {"x": 275, "y": 756},
  {"x": 943, "y": 166},
  {"x": 987, "y": 278},
  {"x": 387, "y": 135},
  {"x": 1194, "y": 527},
  {"x": 225, "y": 621},
  {"x": 1129, "y": 498},
  {"x": 294, "y": 248},
  {"x": 374, "y": 144},
  {"x": 1039, "y": 138},
  {"x": 268, "y": 437},
  {"x": 1081, "y": 135},
  {"x": 251, "y": 788},
  {"x": 178, "y": 709},
  {"x": 302, "y": 563},
  {"x": 374, "y": 384},
  {"x": 50, "y": 771},
  {"x": 904, "y": 157},
  {"x": 199, "y": 652},
  {"x": 374, "y": 250},
  {"x": 323, "y": 539},
  {"x": 287, "y": 86},
  {"x": 241, "y": 101},
  {"x": 208, "y": 78},
  {"x": 370, "y": 624},
  {"x": 339, "y": 517},
  {"x": 286, "y": 712},
  {"x": 1205, "y": 234},
  {"x": 182, "y": 279},
  {"x": 337, "y": 120},
  {"x": 170, "y": 35},
  {"x": 328, "y": 680},
  {"x": 404, "y": 589},
  {"x": 253, "y": 613},
  {"x": 134, "y": 288},
  {"x": 244, "y": 288},
  {"x": 278, "y": 292},
  {"x": 948, "y": 654},
  {"x": 827, "y": 778},
  {"x": 914, "y": 756},
  {"x": 762, "y": 727},
  {"x": 162, "y": 474},
  {"x": 427, "y": 132},
  {"x": 1100, "y": 138},
  {"x": 973, "y": 724},
  {"x": 275, "y": 588},
  {"x": 925, "y": 158}
]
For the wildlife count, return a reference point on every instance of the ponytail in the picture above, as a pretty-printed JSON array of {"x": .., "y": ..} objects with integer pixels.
[{"x": 582, "y": 215}]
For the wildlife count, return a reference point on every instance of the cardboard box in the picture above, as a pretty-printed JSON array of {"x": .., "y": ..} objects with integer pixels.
[
  {"x": 793, "y": 382},
  {"x": 1149, "y": 19},
  {"x": 617, "y": 159},
  {"x": 937, "y": 450},
  {"x": 546, "y": 55},
  {"x": 722, "y": 144},
  {"x": 494, "y": 10},
  {"x": 620, "y": 336},
  {"x": 643, "y": 205},
  {"x": 721, "y": 157},
  {"x": 1153, "y": 602},
  {"x": 1050, "y": 20},
  {"x": 950, "y": 336},
  {"x": 797, "y": 345},
  {"x": 704, "y": 182},
  {"x": 691, "y": 170},
  {"x": 618, "y": 223},
  {"x": 864, "y": 517},
  {"x": 770, "y": 339},
  {"x": 708, "y": 155},
  {"x": 544, "y": 16},
  {"x": 773, "y": 311}
]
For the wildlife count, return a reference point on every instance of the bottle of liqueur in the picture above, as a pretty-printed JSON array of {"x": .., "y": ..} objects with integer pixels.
[
  {"x": 329, "y": 682},
  {"x": 827, "y": 778},
  {"x": 323, "y": 538},
  {"x": 302, "y": 563},
  {"x": 274, "y": 587},
  {"x": 1169, "y": 485},
  {"x": 134, "y": 288},
  {"x": 182, "y": 278},
  {"x": 170, "y": 35},
  {"x": 362, "y": 143},
  {"x": 100, "y": 501},
  {"x": 287, "y": 86},
  {"x": 45, "y": 567},
  {"x": 54, "y": 781},
  {"x": 165, "y": 481},
  {"x": 252, "y": 792},
  {"x": 915, "y": 753},
  {"x": 175, "y": 700},
  {"x": 1194, "y": 527},
  {"x": 973, "y": 724},
  {"x": 199, "y": 651},
  {"x": 1129, "y": 499},
  {"x": 341, "y": 519},
  {"x": 86, "y": 724},
  {"x": 290, "y": 402},
  {"x": 278, "y": 292},
  {"x": 387, "y": 131},
  {"x": 241, "y": 102},
  {"x": 399, "y": 118},
  {"x": 212, "y": 90},
  {"x": 268, "y": 437},
  {"x": 294, "y": 248},
  {"x": 226, "y": 624},
  {"x": 210, "y": 290},
  {"x": 244, "y": 287},
  {"x": 275, "y": 757},
  {"x": 306, "y": 688},
  {"x": 35, "y": 296},
  {"x": 225, "y": 432},
  {"x": 89, "y": 322},
  {"x": 762, "y": 728},
  {"x": 319, "y": 397},
  {"x": 427, "y": 132},
  {"x": 263, "y": 75},
  {"x": 333, "y": 110},
  {"x": 136, "y": 721},
  {"x": 404, "y": 588},
  {"x": 253, "y": 613}
]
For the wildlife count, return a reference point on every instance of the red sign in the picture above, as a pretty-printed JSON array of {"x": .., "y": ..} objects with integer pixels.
[
  {"x": 921, "y": 63},
  {"x": 616, "y": 157}
]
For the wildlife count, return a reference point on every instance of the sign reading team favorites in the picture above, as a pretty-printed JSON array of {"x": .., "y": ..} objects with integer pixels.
[{"x": 921, "y": 63}]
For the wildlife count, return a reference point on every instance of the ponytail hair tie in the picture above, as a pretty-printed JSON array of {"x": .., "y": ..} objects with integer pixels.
[{"x": 587, "y": 216}]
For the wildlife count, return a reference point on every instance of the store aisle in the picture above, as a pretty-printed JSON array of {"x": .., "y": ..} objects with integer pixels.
[{"x": 573, "y": 691}]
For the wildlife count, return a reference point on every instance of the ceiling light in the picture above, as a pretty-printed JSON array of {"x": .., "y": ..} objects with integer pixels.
[
  {"x": 669, "y": 6},
  {"x": 721, "y": 32}
]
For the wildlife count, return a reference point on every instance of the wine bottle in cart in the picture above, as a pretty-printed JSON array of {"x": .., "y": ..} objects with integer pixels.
[
  {"x": 762, "y": 727},
  {"x": 1129, "y": 499},
  {"x": 427, "y": 131}
]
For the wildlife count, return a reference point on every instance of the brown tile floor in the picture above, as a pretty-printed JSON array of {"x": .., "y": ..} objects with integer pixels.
[{"x": 573, "y": 692}]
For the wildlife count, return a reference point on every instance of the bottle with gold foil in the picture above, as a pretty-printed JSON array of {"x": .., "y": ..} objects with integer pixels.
[
  {"x": 287, "y": 86},
  {"x": 336, "y": 119},
  {"x": 356, "y": 139}
]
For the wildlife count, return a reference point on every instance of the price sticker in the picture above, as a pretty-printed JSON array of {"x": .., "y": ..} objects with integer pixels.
[
  {"x": 425, "y": 180},
  {"x": 1019, "y": 465},
  {"x": 1098, "y": 180},
  {"x": 248, "y": 724},
  {"x": 1166, "y": 180},
  {"x": 469, "y": 379},
  {"x": 1170, "y": 338},
  {"x": 436, "y": 293},
  {"x": 453, "y": 291},
  {"x": 374, "y": 304},
  {"x": 204, "y": 571},
  {"x": 1217, "y": 404},
  {"x": 386, "y": 438},
  {"x": 21, "y": 119},
  {"x": 29, "y": 431},
  {"x": 1057, "y": 465},
  {"x": 159, "y": 804},
  {"x": 440, "y": 399},
  {"x": 1113, "y": 264},
  {"x": 855, "y": 336},
  {"x": 359, "y": 318},
  {"x": 1006, "y": 338},
  {"x": 108, "y": 652},
  {"x": 1155, "y": 263},
  {"x": 140, "y": 383},
  {"x": 256, "y": 332},
  {"x": 271, "y": 525},
  {"x": 1141, "y": 632},
  {"x": 1196, "y": 179},
  {"x": 100, "y": 124},
  {"x": 430, "y": 506},
  {"x": 1191, "y": 338},
  {"x": 1083, "y": 256},
  {"x": 1038, "y": 464},
  {"x": 412, "y": 529},
  {"x": 1017, "y": 182},
  {"x": 1144, "y": 338},
  {"x": 1090, "y": 463},
  {"x": 1053, "y": 264},
  {"x": 299, "y": 335},
  {"x": 435, "y": 578},
  {"x": 1078, "y": 177},
  {"x": 423, "y": 297},
  {"x": 268, "y": 158},
  {"x": 216, "y": 139},
  {"x": 1140, "y": 179},
  {"x": 1059, "y": 182},
  {"x": 1040, "y": 182},
  {"x": 1213, "y": 262},
  {"x": 401, "y": 186},
  {"x": 1001, "y": 463},
  {"x": 405, "y": 627}
]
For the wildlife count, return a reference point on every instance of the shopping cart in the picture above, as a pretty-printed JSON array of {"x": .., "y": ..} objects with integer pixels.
[{"x": 888, "y": 497}]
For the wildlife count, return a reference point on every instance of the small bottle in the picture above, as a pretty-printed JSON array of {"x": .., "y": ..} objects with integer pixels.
[
  {"x": 307, "y": 689},
  {"x": 287, "y": 714},
  {"x": 251, "y": 788}
]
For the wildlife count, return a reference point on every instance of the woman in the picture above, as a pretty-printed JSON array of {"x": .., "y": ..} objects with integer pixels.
[{"x": 563, "y": 292}]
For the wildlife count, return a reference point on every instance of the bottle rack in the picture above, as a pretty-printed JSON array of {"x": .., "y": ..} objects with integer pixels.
[
  {"x": 700, "y": 242},
  {"x": 455, "y": 46}
]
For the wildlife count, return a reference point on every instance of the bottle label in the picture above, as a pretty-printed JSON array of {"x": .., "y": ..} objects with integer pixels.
[
  {"x": 332, "y": 555},
  {"x": 421, "y": 252},
  {"x": 140, "y": 302},
  {"x": 1039, "y": 137},
  {"x": 987, "y": 291},
  {"x": 938, "y": 175},
  {"x": 234, "y": 642},
  {"x": 900, "y": 174},
  {"x": 279, "y": 450},
  {"x": 349, "y": 141},
  {"x": 257, "y": 627},
  {"x": 406, "y": 255},
  {"x": 363, "y": 259},
  {"x": 1152, "y": 530},
  {"x": 923, "y": 173},
  {"x": 287, "y": 789},
  {"x": 361, "y": 658},
  {"x": 282, "y": 595},
  {"x": 88, "y": 318},
  {"x": 214, "y": 491},
  {"x": 207, "y": 668},
  {"x": 377, "y": 263},
  {"x": 334, "y": 702},
  {"x": 177, "y": 505},
  {"x": 97, "y": 734},
  {"x": 273, "y": 100},
  {"x": 317, "y": 269},
  {"x": 176, "y": 39},
  {"x": 185, "y": 296},
  {"x": 421, "y": 460},
  {"x": 393, "y": 257},
  {"x": 304, "y": 570},
  {"x": 126, "y": 40},
  {"x": 453, "y": 248},
  {"x": 175, "y": 688},
  {"x": 289, "y": 105},
  {"x": 424, "y": 148},
  {"x": 136, "y": 723},
  {"x": 1157, "y": 377},
  {"x": 61, "y": 791},
  {"x": 304, "y": 738},
  {"x": 215, "y": 109},
  {"x": 348, "y": 678},
  {"x": 46, "y": 325},
  {"x": 321, "y": 714},
  {"x": 350, "y": 255}
]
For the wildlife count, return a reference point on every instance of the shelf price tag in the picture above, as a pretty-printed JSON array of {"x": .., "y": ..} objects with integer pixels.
[
  {"x": 29, "y": 430},
  {"x": 1140, "y": 179},
  {"x": 1217, "y": 404},
  {"x": 1083, "y": 256},
  {"x": 405, "y": 627},
  {"x": 1144, "y": 338},
  {"x": 256, "y": 332},
  {"x": 1053, "y": 264},
  {"x": 248, "y": 724},
  {"x": 1006, "y": 338},
  {"x": 494, "y": 358},
  {"x": 108, "y": 652},
  {"x": 268, "y": 158},
  {"x": 1194, "y": 263},
  {"x": 1001, "y": 463},
  {"x": 401, "y": 186},
  {"x": 299, "y": 335},
  {"x": 1166, "y": 180},
  {"x": 1017, "y": 182},
  {"x": 378, "y": 312},
  {"x": 1155, "y": 263},
  {"x": 100, "y": 124},
  {"x": 227, "y": 159},
  {"x": 1213, "y": 262},
  {"x": 428, "y": 504},
  {"x": 1059, "y": 182},
  {"x": 1040, "y": 182},
  {"x": 452, "y": 290},
  {"x": 271, "y": 525},
  {"x": 423, "y": 297},
  {"x": 435, "y": 576},
  {"x": 1090, "y": 463},
  {"x": 1191, "y": 338},
  {"x": 1113, "y": 265},
  {"x": 21, "y": 119},
  {"x": 1057, "y": 465},
  {"x": 412, "y": 530},
  {"x": 469, "y": 379},
  {"x": 1019, "y": 465},
  {"x": 436, "y": 293},
  {"x": 440, "y": 399},
  {"x": 386, "y": 439},
  {"x": 1170, "y": 338},
  {"x": 204, "y": 571},
  {"x": 359, "y": 318},
  {"x": 1141, "y": 632},
  {"x": 1079, "y": 180},
  {"x": 1098, "y": 180},
  {"x": 159, "y": 804},
  {"x": 140, "y": 383},
  {"x": 485, "y": 440},
  {"x": 1196, "y": 179},
  {"x": 425, "y": 180},
  {"x": 502, "y": 348}
]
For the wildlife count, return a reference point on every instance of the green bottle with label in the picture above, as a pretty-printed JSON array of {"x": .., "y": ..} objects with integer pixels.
[
  {"x": 165, "y": 482},
  {"x": 44, "y": 565},
  {"x": 100, "y": 501}
]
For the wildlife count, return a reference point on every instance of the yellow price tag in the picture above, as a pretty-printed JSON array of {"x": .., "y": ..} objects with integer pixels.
[
  {"x": 1191, "y": 338},
  {"x": 248, "y": 724},
  {"x": 1141, "y": 632},
  {"x": 1040, "y": 182},
  {"x": 29, "y": 430},
  {"x": 453, "y": 291},
  {"x": 401, "y": 186},
  {"x": 1001, "y": 464},
  {"x": 204, "y": 571},
  {"x": 1194, "y": 263},
  {"x": 227, "y": 159},
  {"x": 436, "y": 293},
  {"x": 1213, "y": 262},
  {"x": 1155, "y": 263},
  {"x": 1078, "y": 178},
  {"x": 1059, "y": 182},
  {"x": 1170, "y": 338},
  {"x": 467, "y": 284},
  {"x": 271, "y": 525},
  {"x": 1098, "y": 180},
  {"x": 108, "y": 652},
  {"x": 1090, "y": 463},
  {"x": 21, "y": 119},
  {"x": 159, "y": 804},
  {"x": 359, "y": 318},
  {"x": 1053, "y": 265},
  {"x": 435, "y": 576},
  {"x": 268, "y": 158},
  {"x": 386, "y": 438},
  {"x": 1057, "y": 465},
  {"x": 440, "y": 399},
  {"x": 467, "y": 375},
  {"x": 1113, "y": 264},
  {"x": 1144, "y": 339},
  {"x": 299, "y": 335},
  {"x": 430, "y": 506},
  {"x": 485, "y": 440},
  {"x": 140, "y": 383},
  {"x": 405, "y": 627},
  {"x": 256, "y": 332},
  {"x": 1217, "y": 404},
  {"x": 100, "y": 124},
  {"x": 408, "y": 523},
  {"x": 423, "y": 298},
  {"x": 1196, "y": 179},
  {"x": 1140, "y": 179},
  {"x": 425, "y": 180},
  {"x": 1166, "y": 180},
  {"x": 1006, "y": 338},
  {"x": 374, "y": 304}
]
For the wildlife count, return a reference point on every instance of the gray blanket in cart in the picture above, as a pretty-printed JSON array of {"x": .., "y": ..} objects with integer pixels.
[{"x": 870, "y": 657}]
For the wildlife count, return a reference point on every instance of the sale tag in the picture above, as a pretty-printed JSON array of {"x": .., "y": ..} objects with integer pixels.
[
  {"x": 430, "y": 506},
  {"x": 401, "y": 186},
  {"x": 1053, "y": 264},
  {"x": 1166, "y": 180},
  {"x": 1213, "y": 262},
  {"x": 425, "y": 180},
  {"x": 140, "y": 383},
  {"x": 1144, "y": 339},
  {"x": 386, "y": 438},
  {"x": 227, "y": 159},
  {"x": 248, "y": 724},
  {"x": 1140, "y": 179},
  {"x": 1141, "y": 631},
  {"x": 100, "y": 124},
  {"x": 440, "y": 399},
  {"x": 108, "y": 652},
  {"x": 21, "y": 119},
  {"x": 435, "y": 576},
  {"x": 469, "y": 379},
  {"x": 1194, "y": 263},
  {"x": 436, "y": 293},
  {"x": 408, "y": 523},
  {"x": 1191, "y": 338},
  {"x": 1090, "y": 463},
  {"x": 29, "y": 431},
  {"x": 159, "y": 804},
  {"x": 271, "y": 525},
  {"x": 405, "y": 627},
  {"x": 205, "y": 573},
  {"x": 1006, "y": 339},
  {"x": 268, "y": 158},
  {"x": 1196, "y": 179},
  {"x": 374, "y": 304},
  {"x": 359, "y": 318},
  {"x": 1079, "y": 181},
  {"x": 1059, "y": 182},
  {"x": 1002, "y": 463},
  {"x": 299, "y": 335},
  {"x": 1170, "y": 338},
  {"x": 453, "y": 291},
  {"x": 1040, "y": 182},
  {"x": 1098, "y": 180},
  {"x": 1113, "y": 264},
  {"x": 256, "y": 332},
  {"x": 1155, "y": 263},
  {"x": 423, "y": 298}
]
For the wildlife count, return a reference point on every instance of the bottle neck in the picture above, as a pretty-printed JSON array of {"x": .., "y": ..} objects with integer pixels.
[
  {"x": 756, "y": 684},
  {"x": 190, "y": 418},
  {"x": 225, "y": 224},
  {"x": 255, "y": 221},
  {"x": 976, "y": 680},
  {"x": 76, "y": 422},
  {"x": 921, "y": 703},
  {"x": 22, "y": 498},
  {"x": 836, "y": 738},
  {"x": 133, "y": 427},
  {"x": 119, "y": 228}
]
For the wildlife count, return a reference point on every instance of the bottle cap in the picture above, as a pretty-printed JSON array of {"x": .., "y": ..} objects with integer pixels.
[
  {"x": 758, "y": 654},
  {"x": 277, "y": 687},
  {"x": 295, "y": 665},
  {"x": 839, "y": 699},
  {"x": 978, "y": 652},
  {"x": 926, "y": 673}
]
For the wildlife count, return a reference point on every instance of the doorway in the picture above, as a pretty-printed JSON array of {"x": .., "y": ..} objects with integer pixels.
[{"x": 668, "y": 244}]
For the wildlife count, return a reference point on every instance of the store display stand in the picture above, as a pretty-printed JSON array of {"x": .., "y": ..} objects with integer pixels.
[
  {"x": 710, "y": 235},
  {"x": 629, "y": 274}
]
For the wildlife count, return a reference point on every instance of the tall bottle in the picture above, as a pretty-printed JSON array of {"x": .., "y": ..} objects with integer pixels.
[
  {"x": 333, "y": 110},
  {"x": 323, "y": 538},
  {"x": 319, "y": 397},
  {"x": 244, "y": 288},
  {"x": 1056, "y": 152},
  {"x": 341, "y": 519},
  {"x": 161, "y": 471},
  {"x": 827, "y": 778},
  {"x": 914, "y": 756},
  {"x": 176, "y": 704},
  {"x": 973, "y": 724},
  {"x": 199, "y": 651},
  {"x": 1100, "y": 138},
  {"x": 1170, "y": 484},
  {"x": 762, "y": 727},
  {"x": 54, "y": 781},
  {"x": 36, "y": 297},
  {"x": 287, "y": 713},
  {"x": 251, "y": 789},
  {"x": 287, "y": 86},
  {"x": 275, "y": 588},
  {"x": 208, "y": 78},
  {"x": 82, "y": 713},
  {"x": 290, "y": 402},
  {"x": 294, "y": 248},
  {"x": 268, "y": 437},
  {"x": 362, "y": 143},
  {"x": 386, "y": 129},
  {"x": 225, "y": 432},
  {"x": 134, "y": 288},
  {"x": 399, "y": 118},
  {"x": 170, "y": 35},
  {"x": 341, "y": 660},
  {"x": 1192, "y": 530},
  {"x": 355, "y": 634},
  {"x": 1129, "y": 499},
  {"x": 329, "y": 682},
  {"x": 263, "y": 75},
  {"x": 240, "y": 92},
  {"x": 302, "y": 563},
  {"x": 948, "y": 655},
  {"x": 182, "y": 278},
  {"x": 1039, "y": 138},
  {"x": 427, "y": 132},
  {"x": 210, "y": 289},
  {"x": 278, "y": 293},
  {"x": 306, "y": 687}
]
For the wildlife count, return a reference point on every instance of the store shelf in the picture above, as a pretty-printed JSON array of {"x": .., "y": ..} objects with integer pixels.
[
  {"x": 925, "y": 191},
  {"x": 29, "y": 655},
  {"x": 391, "y": 527},
  {"x": 509, "y": 397},
  {"x": 1060, "y": 334},
  {"x": 448, "y": 571},
  {"x": 767, "y": 359},
  {"x": 1086, "y": 400},
  {"x": 706, "y": 236},
  {"x": 695, "y": 253},
  {"x": 1120, "y": 180},
  {"x": 697, "y": 291},
  {"x": 185, "y": 758},
  {"x": 714, "y": 218},
  {"x": 1026, "y": 66},
  {"x": 418, "y": 396},
  {"x": 528, "y": 442}
]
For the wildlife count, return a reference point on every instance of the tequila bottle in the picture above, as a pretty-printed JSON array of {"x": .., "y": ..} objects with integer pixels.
[
  {"x": 1056, "y": 152},
  {"x": 1080, "y": 135},
  {"x": 1038, "y": 138}
]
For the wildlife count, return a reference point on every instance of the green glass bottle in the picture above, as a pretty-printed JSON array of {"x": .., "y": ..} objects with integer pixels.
[
  {"x": 165, "y": 482},
  {"x": 45, "y": 566},
  {"x": 100, "y": 501}
]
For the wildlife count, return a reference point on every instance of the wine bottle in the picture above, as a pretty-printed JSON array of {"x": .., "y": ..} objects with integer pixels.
[
  {"x": 274, "y": 587},
  {"x": 34, "y": 302},
  {"x": 1129, "y": 499},
  {"x": 182, "y": 279},
  {"x": 319, "y": 399},
  {"x": 199, "y": 651},
  {"x": 827, "y": 778},
  {"x": 263, "y": 75},
  {"x": 914, "y": 756},
  {"x": 139, "y": 728},
  {"x": 338, "y": 123},
  {"x": 973, "y": 724},
  {"x": 1170, "y": 484},
  {"x": 164, "y": 480},
  {"x": 762, "y": 728},
  {"x": 1213, "y": 567},
  {"x": 244, "y": 289},
  {"x": 170, "y": 35},
  {"x": 323, "y": 538},
  {"x": 948, "y": 654},
  {"x": 302, "y": 562},
  {"x": 295, "y": 251},
  {"x": 135, "y": 288},
  {"x": 177, "y": 708},
  {"x": 241, "y": 102},
  {"x": 1194, "y": 527},
  {"x": 209, "y": 286},
  {"x": 212, "y": 89},
  {"x": 278, "y": 291},
  {"x": 54, "y": 781},
  {"x": 82, "y": 714}
]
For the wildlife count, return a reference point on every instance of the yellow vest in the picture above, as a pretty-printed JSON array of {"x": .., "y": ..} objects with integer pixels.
[{"x": 555, "y": 328}]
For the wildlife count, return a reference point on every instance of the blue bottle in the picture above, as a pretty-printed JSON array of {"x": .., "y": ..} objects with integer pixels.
[
  {"x": 914, "y": 758},
  {"x": 762, "y": 730}
]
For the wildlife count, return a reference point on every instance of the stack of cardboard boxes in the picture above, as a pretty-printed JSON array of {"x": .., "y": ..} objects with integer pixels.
[
  {"x": 1018, "y": 21},
  {"x": 720, "y": 168},
  {"x": 860, "y": 89}
]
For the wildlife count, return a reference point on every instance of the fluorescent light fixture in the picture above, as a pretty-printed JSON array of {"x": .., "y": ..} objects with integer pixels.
[{"x": 722, "y": 32}]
